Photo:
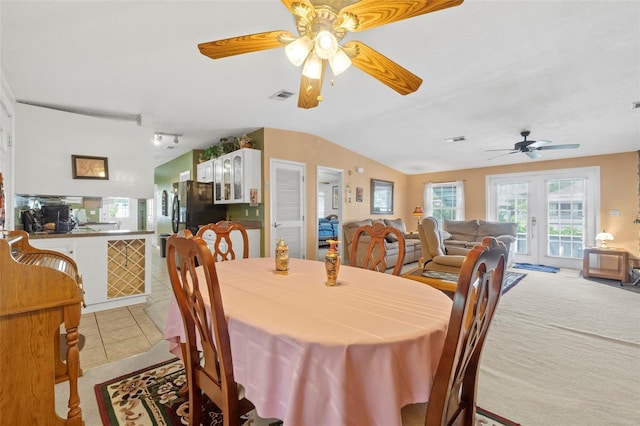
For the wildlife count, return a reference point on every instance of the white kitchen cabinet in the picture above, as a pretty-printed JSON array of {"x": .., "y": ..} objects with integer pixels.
[
  {"x": 66, "y": 246},
  {"x": 99, "y": 265},
  {"x": 204, "y": 171},
  {"x": 237, "y": 177}
]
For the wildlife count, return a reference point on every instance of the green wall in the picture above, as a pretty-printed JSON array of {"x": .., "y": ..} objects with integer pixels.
[{"x": 164, "y": 177}]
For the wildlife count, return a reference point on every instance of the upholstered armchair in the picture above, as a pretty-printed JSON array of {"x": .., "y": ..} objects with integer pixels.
[{"x": 434, "y": 255}]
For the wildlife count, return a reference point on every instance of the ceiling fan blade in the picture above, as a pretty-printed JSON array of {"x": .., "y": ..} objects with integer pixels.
[
  {"x": 310, "y": 89},
  {"x": 373, "y": 13},
  {"x": 538, "y": 144},
  {"x": 501, "y": 155},
  {"x": 505, "y": 149},
  {"x": 382, "y": 68},
  {"x": 244, "y": 44},
  {"x": 566, "y": 146},
  {"x": 533, "y": 154}
]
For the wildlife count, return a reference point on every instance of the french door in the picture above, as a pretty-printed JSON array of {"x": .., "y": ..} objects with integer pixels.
[
  {"x": 556, "y": 212},
  {"x": 288, "y": 205}
]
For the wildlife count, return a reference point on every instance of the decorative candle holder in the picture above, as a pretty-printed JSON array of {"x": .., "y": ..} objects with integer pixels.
[
  {"x": 332, "y": 263},
  {"x": 282, "y": 257}
]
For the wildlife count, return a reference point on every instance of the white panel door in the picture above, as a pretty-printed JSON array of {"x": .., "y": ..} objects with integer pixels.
[{"x": 288, "y": 205}]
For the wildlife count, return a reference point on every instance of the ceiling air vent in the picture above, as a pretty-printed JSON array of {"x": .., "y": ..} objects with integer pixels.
[
  {"x": 281, "y": 95},
  {"x": 635, "y": 105},
  {"x": 455, "y": 139}
]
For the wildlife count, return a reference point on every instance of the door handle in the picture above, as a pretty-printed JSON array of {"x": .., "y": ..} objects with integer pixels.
[{"x": 275, "y": 225}]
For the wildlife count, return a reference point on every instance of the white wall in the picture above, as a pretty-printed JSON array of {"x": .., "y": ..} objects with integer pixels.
[
  {"x": 46, "y": 139},
  {"x": 7, "y": 122}
]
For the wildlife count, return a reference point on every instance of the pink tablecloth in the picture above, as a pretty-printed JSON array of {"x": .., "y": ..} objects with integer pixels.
[{"x": 313, "y": 355}]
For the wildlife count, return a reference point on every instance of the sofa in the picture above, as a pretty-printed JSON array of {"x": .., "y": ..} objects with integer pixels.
[
  {"x": 327, "y": 229},
  {"x": 413, "y": 249},
  {"x": 467, "y": 233}
]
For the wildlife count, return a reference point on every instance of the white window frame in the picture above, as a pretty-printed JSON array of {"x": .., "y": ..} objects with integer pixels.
[{"x": 428, "y": 198}]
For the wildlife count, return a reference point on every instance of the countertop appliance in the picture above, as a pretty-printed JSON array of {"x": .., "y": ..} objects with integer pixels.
[{"x": 193, "y": 206}]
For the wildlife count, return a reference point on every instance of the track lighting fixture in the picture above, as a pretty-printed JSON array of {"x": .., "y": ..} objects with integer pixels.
[{"x": 158, "y": 138}]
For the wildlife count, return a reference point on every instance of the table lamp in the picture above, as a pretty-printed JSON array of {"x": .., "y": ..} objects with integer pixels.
[
  {"x": 418, "y": 213},
  {"x": 602, "y": 239}
]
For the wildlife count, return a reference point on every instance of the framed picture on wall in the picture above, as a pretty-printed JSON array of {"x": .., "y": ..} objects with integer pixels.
[
  {"x": 335, "y": 197},
  {"x": 359, "y": 194},
  {"x": 85, "y": 167},
  {"x": 381, "y": 197}
]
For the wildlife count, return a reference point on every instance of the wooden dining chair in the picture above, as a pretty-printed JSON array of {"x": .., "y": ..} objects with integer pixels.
[
  {"x": 376, "y": 251},
  {"x": 453, "y": 395},
  {"x": 218, "y": 238},
  {"x": 209, "y": 369}
]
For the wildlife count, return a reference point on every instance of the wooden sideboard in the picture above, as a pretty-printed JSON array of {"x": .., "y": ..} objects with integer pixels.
[{"x": 39, "y": 291}]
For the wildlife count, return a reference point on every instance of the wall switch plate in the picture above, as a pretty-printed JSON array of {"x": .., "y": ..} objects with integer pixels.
[
  {"x": 257, "y": 212},
  {"x": 246, "y": 212}
]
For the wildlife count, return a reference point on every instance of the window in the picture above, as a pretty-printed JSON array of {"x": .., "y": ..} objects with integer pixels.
[
  {"x": 444, "y": 200},
  {"x": 116, "y": 207}
]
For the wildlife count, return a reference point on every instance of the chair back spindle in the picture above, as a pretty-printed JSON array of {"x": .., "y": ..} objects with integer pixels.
[
  {"x": 375, "y": 255},
  {"x": 453, "y": 395},
  {"x": 218, "y": 238}
]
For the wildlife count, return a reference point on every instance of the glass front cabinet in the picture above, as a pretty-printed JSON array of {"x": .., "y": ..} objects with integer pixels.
[{"x": 237, "y": 177}]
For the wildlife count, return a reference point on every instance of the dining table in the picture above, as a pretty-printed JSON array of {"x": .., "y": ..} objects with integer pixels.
[{"x": 316, "y": 355}]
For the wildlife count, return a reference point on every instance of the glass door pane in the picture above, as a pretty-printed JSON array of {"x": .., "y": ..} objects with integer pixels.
[
  {"x": 226, "y": 178},
  {"x": 237, "y": 178},
  {"x": 513, "y": 206},
  {"x": 565, "y": 218}
]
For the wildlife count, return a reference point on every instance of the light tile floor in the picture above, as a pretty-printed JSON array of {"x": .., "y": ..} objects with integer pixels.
[{"x": 119, "y": 333}]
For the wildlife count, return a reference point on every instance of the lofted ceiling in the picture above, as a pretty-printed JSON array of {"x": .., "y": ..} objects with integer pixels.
[{"x": 568, "y": 71}]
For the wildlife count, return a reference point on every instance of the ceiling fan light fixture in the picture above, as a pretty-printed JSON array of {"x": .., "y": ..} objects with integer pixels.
[
  {"x": 157, "y": 139},
  {"x": 326, "y": 44},
  {"x": 298, "y": 50},
  {"x": 339, "y": 62},
  {"x": 313, "y": 67}
]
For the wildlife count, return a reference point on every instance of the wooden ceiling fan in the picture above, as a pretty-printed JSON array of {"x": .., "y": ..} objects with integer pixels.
[{"x": 321, "y": 25}]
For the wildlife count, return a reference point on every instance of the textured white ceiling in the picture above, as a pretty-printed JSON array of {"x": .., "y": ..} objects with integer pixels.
[{"x": 566, "y": 70}]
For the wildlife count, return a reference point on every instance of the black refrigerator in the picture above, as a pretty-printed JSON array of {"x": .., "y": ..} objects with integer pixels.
[{"x": 193, "y": 206}]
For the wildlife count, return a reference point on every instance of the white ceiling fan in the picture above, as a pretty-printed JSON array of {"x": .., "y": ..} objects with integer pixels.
[{"x": 532, "y": 148}]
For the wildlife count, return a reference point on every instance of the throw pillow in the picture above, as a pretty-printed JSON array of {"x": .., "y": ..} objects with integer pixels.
[
  {"x": 444, "y": 235},
  {"x": 396, "y": 223},
  {"x": 391, "y": 238}
]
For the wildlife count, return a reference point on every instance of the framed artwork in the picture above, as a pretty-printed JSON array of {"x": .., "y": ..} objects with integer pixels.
[
  {"x": 381, "y": 197},
  {"x": 85, "y": 167},
  {"x": 335, "y": 197},
  {"x": 165, "y": 203},
  {"x": 359, "y": 194}
]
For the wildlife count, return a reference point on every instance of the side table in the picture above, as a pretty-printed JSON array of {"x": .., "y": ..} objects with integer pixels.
[
  {"x": 443, "y": 281},
  {"x": 599, "y": 262}
]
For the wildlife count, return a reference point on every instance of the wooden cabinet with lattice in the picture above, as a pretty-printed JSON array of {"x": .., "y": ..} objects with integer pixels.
[{"x": 126, "y": 268}]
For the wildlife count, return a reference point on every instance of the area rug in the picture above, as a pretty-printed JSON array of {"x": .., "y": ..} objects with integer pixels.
[
  {"x": 539, "y": 268},
  {"x": 614, "y": 283},
  {"x": 510, "y": 278},
  {"x": 149, "y": 397}
]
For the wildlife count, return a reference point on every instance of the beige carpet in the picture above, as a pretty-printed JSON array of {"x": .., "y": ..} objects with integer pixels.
[{"x": 564, "y": 351}]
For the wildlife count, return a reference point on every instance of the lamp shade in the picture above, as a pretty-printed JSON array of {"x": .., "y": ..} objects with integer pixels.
[
  {"x": 603, "y": 237},
  {"x": 313, "y": 67},
  {"x": 298, "y": 50},
  {"x": 339, "y": 62},
  {"x": 417, "y": 212}
]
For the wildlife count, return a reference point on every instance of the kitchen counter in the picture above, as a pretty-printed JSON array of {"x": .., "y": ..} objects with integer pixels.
[
  {"x": 87, "y": 232},
  {"x": 115, "y": 264}
]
